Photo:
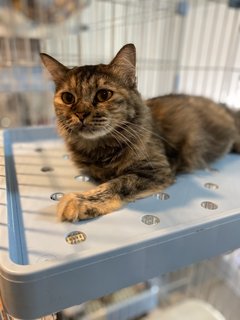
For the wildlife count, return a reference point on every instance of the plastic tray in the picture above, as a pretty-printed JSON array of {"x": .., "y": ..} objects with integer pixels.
[{"x": 40, "y": 272}]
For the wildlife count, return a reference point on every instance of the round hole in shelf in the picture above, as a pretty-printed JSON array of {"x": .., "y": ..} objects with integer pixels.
[
  {"x": 211, "y": 186},
  {"x": 212, "y": 170},
  {"x": 82, "y": 178},
  {"x": 65, "y": 156},
  {"x": 162, "y": 196},
  {"x": 47, "y": 169},
  {"x": 209, "y": 205},
  {"x": 150, "y": 220},
  {"x": 75, "y": 237},
  {"x": 57, "y": 196}
]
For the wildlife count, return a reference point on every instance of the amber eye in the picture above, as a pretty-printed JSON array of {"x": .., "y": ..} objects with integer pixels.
[
  {"x": 103, "y": 95},
  {"x": 68, "y": 98}
]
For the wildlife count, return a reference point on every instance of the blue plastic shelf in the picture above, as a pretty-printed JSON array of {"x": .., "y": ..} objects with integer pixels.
[{"x": 41, "y": 273}]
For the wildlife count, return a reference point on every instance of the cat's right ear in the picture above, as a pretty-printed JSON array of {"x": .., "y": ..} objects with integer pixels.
[
  {"x": 56, "y": 69},
  {"x": 124, "y": 64}
]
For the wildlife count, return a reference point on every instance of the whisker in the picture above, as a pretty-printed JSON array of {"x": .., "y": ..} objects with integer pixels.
[
  {"x": 115, "y": 133},
  {"x": 135, "y": 135},
  {"x": 142, "y": 150},
  {"x": 150, "y": 131},
  {"x": 66, "y": 124}
]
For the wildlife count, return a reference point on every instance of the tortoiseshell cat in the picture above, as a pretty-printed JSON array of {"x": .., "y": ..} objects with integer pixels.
[{"x": 133, "y": 147}]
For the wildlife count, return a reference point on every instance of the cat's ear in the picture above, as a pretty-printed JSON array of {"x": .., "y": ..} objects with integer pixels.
[
  {"x": 56, "y": 69},
  {"x": 124, "y": 63}
]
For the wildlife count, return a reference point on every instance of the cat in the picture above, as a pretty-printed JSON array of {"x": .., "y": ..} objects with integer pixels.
[{"x": 134, "y": 148}]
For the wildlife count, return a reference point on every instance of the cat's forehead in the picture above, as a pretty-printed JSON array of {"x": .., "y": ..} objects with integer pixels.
[
  {"x": 92, "y": 74},
  {"x": 85, "y": 80}
]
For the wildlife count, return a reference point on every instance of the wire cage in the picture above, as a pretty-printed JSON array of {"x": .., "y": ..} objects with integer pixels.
[
  {"x": 183, "y": 46},
  {"x": 187, "y": 46},
  {"x": 206, "y": 290}
]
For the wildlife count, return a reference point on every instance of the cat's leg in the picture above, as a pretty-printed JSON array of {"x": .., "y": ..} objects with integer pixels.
[{"x": 110, "y": 196}]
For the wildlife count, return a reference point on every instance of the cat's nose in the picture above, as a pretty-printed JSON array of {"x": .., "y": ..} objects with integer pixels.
[{"x": 82, "y": 115}]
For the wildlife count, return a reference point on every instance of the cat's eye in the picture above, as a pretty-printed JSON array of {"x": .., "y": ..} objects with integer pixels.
[
  {"x": 103, "y": 95},
  {"x": 68, "y": 98}
]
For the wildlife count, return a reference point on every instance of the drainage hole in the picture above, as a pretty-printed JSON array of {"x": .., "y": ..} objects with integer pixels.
[
  {"x": 46, "y": 169},
  {"x": 162, "y": 196},
  {"x": 82, "y": 178},
  {"x": 75, "y": 237},
  {"x": 150, "y": 220},
  {"x": 57, "y": 196},
  {"x": 209, "y": 205},
  {"x": 212, "y": 170},
  {"x": 211, "y": 186},
  {"x": 65, "y": 156}
]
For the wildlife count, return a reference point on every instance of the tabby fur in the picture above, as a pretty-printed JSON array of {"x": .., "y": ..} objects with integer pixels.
[{"x": 133, "y": 148}]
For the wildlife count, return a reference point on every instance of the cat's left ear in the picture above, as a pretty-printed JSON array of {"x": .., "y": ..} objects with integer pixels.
[
  {"x": 57, "y": 70},
  {"x": 124, "y": 64}
]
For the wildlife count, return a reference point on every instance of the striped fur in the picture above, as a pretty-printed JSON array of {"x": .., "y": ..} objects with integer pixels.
[{"x": 134, "y": 148}]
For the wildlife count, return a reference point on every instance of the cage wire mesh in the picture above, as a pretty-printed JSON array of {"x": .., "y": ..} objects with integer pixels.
[
  {"x": 214, "y": 281},
  {"x": 186, "y": 46}
]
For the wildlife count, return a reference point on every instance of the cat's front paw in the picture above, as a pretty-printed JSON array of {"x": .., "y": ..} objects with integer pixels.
[
  {"x": 74, "y": 207},
  {"x": 67, "y": 208}
]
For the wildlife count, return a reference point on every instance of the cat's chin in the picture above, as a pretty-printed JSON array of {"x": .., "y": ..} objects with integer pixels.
[{"x": 92, "y": 135}]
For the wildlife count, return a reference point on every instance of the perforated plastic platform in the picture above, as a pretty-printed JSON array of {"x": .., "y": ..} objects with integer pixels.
[{"x": 47, "y": 265}]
